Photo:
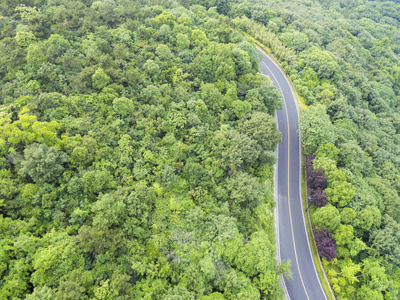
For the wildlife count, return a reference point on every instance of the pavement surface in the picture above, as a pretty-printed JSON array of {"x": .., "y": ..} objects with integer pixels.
[{"x": 292, "y": 240}]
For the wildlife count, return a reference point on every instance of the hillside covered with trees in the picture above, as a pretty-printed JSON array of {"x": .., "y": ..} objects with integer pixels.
[
  {"x": 137, "y": 144},
  {"x": 343, "y": 57},
  {"x": 136, "y": 139}
]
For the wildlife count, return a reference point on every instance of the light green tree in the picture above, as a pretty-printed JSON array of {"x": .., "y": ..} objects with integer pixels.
[
  {"x": 356, "y": 246},
  {"x": 328, "y": 217},
  {"x": 56, "y": 259},
  {"x": 241, "y": 108},
  {"x": 43, "y": 163},
  {"x": 343, "y": 235},
  {"x": 323, "y": 62},
  {"x": 255, "y": 256},
  {"x": 329, "y": 151},
  {"x": 199, "y": 38},
  {"x": 349, "y": 271},
  {"x": 347, "y": 215},
  {"x": 41, "y": 293},
  {"x": 109, "y": 210},
  {"x": 261, "y": 127},
  {"x": 316, "y": 128},
  {"x": 123, "y": 106},
  {"x": 369, "y": 218},
  {"x": 340, "y": 193},
  {"x": 100, "y": 79}
]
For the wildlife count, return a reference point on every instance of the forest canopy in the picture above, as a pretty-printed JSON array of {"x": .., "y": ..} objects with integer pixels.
[
  {"x": 133, "y": 164},
  {"x": 137, "y": 144}
]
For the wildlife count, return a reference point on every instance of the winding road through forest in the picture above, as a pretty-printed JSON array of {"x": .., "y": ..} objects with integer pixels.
[{"x": 291, "y": 233}]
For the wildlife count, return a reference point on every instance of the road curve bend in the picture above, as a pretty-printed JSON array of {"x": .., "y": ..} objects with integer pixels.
[{"x": 291, "y": 232}]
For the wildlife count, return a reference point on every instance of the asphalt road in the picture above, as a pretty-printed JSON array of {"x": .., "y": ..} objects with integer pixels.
[{"x": 291, "y": 231}]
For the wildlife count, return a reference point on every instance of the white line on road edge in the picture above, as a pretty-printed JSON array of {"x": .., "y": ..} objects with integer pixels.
[{"x": 278, "y": 252}]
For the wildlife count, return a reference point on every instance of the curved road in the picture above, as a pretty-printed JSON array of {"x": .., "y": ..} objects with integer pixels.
[{"x": 291, "y": 231}]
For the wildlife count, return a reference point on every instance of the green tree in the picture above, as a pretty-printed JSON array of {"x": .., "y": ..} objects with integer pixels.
[
  {"x": 96, "y": 181},
  {"x": 262, "y": 128},
  {"x": 241, "y": 108},
  {"x": 27, "y": 129},
  {"x": 255, "y": 256},
  {"x": 323, "y": 62},
  {"x": 42, "y": 163},
  {"x": 327, "y": 216},
  {"x": 242, "y": 150},
  {"x": 109, "y": 211},
  {"x": 41, "y": 293},
  {"x": 104, "y": 291},
  {"x": 182, "y": 41},
  {"x": 212, "y": 97},
  {"x": 328, "y": 151},
  {"x": 386, "y": 241},
  {"x": 213, "y": 296},
  {"x": 368, "y": 218},
  {"x": 245, "y": 194},
  {"x": 340, "y": 193},
  {"x": 356, "y": 246},
  {"x": 349, "y": 271},
  {"x": 343, "y": 235},
  {"x": 179, "y": 293},
  {"x": 270, "y": 95},
  {"x": 354, "y": 158},
  {"x": 316, "y": 128},
  {"x": 100, "y": 79},
  {"x": 367, "y": 293},
  {"x": 347, "y": 215},
  {"x": 56, "y": 260},
  {"x": 123, "y": 106},
  {"x": 75, "y": 287},
  {"x": 374, "y": 275},
  {"x": 296, "y": 40},
  {"x": 199, "y": 38}
]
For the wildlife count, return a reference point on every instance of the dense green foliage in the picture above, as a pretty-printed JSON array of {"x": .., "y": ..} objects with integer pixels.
[
  {"x": 343, "y": 57},
  {"x": 135, "y": 144}
]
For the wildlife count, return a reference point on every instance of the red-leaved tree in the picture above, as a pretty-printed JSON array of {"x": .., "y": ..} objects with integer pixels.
[
  {"x": 325, "y": 243},
  {"x": 316, "y": 182}
]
